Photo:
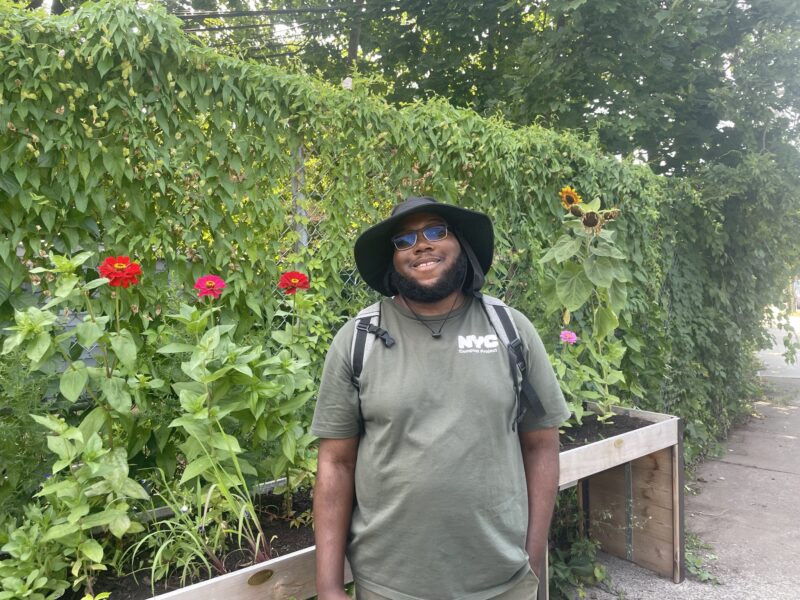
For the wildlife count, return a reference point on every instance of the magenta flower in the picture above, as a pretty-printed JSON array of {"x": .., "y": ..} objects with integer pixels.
[
  {"x": 568, "y": 337},
  {"x": 209, "y": 285}
]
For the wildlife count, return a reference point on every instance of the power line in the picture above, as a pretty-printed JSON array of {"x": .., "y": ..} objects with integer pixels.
[
  {"x": 291, "y": 25},
  {"x": 258, "y": 13}
]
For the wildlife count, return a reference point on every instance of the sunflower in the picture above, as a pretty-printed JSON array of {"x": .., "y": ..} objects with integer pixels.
[
  {"x": 569, "y": 197},
  {"x": 591, "y": 220}
]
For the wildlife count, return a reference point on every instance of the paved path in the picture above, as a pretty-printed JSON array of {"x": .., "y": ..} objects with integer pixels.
[{"x": 746, "y": 506}]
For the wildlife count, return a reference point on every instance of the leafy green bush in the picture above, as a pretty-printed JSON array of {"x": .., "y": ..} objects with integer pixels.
[{"x": 23, "y": 449}]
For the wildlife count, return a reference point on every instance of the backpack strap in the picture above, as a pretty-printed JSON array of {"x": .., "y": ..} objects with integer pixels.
[
  {"x": 367, "y": 329},
  {"x": 500, "y": 317}
]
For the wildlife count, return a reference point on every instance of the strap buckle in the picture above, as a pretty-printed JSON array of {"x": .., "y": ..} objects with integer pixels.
[{"x": 384, "y": 336}]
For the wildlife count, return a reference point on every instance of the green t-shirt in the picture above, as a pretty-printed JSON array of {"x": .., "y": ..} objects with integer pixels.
[{"x": 441, "y": 501}]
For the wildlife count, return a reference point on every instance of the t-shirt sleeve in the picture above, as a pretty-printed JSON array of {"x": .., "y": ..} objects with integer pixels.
[
  {"x": 336, "y": 414},
  {"x": 543, "y": 379}
]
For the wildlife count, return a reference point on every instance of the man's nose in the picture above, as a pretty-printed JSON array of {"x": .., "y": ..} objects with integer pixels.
[{"x": 422, "y": 244}]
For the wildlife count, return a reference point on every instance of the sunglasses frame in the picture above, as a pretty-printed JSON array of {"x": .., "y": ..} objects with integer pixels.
[{"x": 416, "y": 233}]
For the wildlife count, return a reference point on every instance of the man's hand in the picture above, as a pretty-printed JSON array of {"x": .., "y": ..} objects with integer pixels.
[
  {"x": 540, "y": 456},
  {"x": 333, "y": 509}
]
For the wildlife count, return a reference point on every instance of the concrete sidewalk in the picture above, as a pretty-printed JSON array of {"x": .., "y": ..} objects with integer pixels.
[{"x": 744, "y": 506}]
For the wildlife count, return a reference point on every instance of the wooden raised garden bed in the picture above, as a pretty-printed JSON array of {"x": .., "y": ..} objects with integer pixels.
[{"x": 631, "y": 489}]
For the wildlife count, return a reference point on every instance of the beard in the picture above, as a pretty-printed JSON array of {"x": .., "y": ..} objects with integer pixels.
[{"x": 449, "y": 282}]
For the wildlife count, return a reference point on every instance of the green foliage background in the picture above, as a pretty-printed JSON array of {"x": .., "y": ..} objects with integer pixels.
[{"x": 118, "y": 134}]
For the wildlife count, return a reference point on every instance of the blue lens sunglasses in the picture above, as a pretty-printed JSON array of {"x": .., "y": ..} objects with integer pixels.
[{"x": 408, "y": 239}]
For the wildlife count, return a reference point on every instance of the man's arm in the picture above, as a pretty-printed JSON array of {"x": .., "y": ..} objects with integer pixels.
[
  {"x": 333, "y": 509},
  {"x": 540, "y": 456}
]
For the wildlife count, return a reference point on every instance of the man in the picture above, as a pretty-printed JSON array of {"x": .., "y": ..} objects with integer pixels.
[{"x": 427, "y": 479}]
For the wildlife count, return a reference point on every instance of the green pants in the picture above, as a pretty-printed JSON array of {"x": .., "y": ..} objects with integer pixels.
[{"x": 525, "y": 590}]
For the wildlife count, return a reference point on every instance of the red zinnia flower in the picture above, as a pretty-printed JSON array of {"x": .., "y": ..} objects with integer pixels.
[
  {"x": 120, "y": 271},
  {"x": 292, "y": 281},
  {"x": 209, "y": 285}
]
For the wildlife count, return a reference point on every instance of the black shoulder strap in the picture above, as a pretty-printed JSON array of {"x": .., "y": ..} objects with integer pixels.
[
  {"x": 503, "y": 324},
  {"x": 367, "y": 329}
]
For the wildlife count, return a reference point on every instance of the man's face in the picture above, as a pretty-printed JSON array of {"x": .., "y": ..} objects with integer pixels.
[{"x": 429, "y": 266}]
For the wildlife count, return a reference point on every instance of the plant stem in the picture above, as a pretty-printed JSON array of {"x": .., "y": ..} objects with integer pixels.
[{"x": 116, "y": 309}]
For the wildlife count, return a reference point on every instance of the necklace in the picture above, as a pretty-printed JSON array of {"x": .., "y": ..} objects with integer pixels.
[{"x": 434, "y": 334}]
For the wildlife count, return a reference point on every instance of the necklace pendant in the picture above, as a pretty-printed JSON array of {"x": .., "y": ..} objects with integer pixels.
[{"x": 436, "y": 334}]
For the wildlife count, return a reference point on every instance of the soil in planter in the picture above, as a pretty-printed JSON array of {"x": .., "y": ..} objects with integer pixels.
[
  {"x": 283, "y": 537},
  {"x": 593, "y": 430}
]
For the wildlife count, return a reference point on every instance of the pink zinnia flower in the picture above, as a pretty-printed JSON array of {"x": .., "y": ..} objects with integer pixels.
[
  {"x": 568, "y": 337},
  {"x": 209, "y": 285}
]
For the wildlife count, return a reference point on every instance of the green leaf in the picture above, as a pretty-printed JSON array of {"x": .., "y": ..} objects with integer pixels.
[
  {"x": 101, "y": 518},
  {"x": 252, "y": 303},
  {"x": 592, "y": 206},
  {"x": 621, "y": 272},
  {"x": 604, "y": 248},
  {"x": 223, "y": 441},
  {"x": 92, "y": 550},
  {"x": 59, "y": 531},
  {"x": 195, "y": 468},
  {"x": 96, "y": 283},
  {"x": 88, "y": 333},
  {"x": 105, "y": 64},
  {"x": 66, "y": 283},
  {"x": 605, "y": 321},
  {"x": 39, "y": 347},
  {"x": 284, "y": 338},
  {"x": 131, "y": 489},
  {"x": 124, "y": 347},
  {"x": 119, "y": 525},
  {"x": 52, "y": 423},
  {"x": 565, "y": 248},
  {"x": 295, "y": 404},
  {"x": 633, "y": 342},
  {"x": 176, "y": 348},
  {"x": 599, "y": 270},
  {"x": 60, "y": 447},
  {"x": 617, "y": 296},
  {"x": 115, "y": 391},
  {"x": 289, "y": 446},
  {"x": 210, "y": 339},
  {"x": 12, "y": 342},
  {"x": 73, "y": 381},
  {"x": 573, "y": 287}
]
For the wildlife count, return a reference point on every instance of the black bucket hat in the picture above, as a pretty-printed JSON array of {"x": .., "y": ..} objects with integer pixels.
[{"x": 374, "y": 250}]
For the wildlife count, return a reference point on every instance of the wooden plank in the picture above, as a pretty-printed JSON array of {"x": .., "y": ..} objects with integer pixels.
[
  {"x": 290, "y": 576},
  {"x": 543, "y": 591},
  {"x": 584, "y": 461},
  {"x": 609, "y": 509},
  {"x": 660, "y": 461},
  {"x": 642, "y": 492},
  {"x": 611, "y": 539},
  {"x": 652, "y": 553},
  {"x": 639, "y": 413},
  {"x": 679, "y": 540}
]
